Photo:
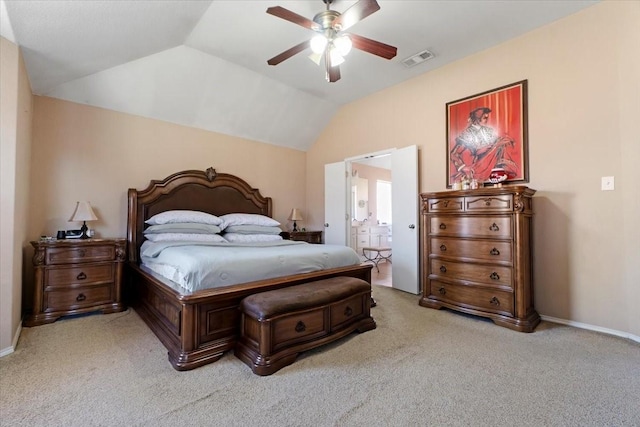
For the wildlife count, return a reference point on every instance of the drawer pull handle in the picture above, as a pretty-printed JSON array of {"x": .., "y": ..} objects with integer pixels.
[
  {"x": 81, "y": 276},
  {"x": 81, "y": 253},
  {"x": 494, "y": 251},
  {"x": 443, "y": 269},
  {"x": 494, "y": 301},
  {"x": 487, "y": 202},
  {"x": 445, "y": 203},
  {"x": 301, "y": 327},
  {"x": 442, "y": 291},
  {"x": 443, "y": 226},
  {"x": 81, "y": 297},
  {"x": 494, "y": 276},
  {"x": 348, "y": 311},
  {"x": 443, "y": 248},
  {"x": 494, "y": 227}
]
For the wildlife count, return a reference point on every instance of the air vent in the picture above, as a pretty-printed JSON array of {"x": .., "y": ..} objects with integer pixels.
[{"x": 418, "y": 58}]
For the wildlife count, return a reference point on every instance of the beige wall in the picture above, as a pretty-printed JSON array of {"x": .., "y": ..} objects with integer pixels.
[
  {"x": 87, "y": 153},
  {"x": 15, "y": 151},
  {"x": 584, "y": 102}
]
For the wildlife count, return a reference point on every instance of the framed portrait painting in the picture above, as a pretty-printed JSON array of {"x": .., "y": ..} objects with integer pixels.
[{"x": 488, "y": 131}]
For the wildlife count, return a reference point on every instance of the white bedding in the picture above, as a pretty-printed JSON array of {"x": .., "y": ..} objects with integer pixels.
[{"x": 200, "y": 265}]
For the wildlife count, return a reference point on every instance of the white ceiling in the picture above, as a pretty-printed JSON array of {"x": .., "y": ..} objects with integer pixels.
[{"x": 204, "y": 63}]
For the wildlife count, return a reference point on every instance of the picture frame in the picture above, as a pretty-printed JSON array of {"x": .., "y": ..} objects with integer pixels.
[{"x": 488, "y": 131}]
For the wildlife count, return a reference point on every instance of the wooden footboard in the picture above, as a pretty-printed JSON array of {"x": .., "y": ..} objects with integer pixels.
[{"x": 198, "y": 328}]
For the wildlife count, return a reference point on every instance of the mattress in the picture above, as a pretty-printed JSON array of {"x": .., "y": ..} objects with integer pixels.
[{"x": 200, "y": 265}]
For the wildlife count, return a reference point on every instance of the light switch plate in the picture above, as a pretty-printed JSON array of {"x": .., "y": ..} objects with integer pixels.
[{"x": 608, "y": 183}]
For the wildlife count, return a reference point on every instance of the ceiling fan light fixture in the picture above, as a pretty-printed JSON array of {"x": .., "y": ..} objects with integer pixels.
[
  {"x": 343, "y": 44},
  {"x": 336, "y": 58},
  {"x": 318, "y": 43}
]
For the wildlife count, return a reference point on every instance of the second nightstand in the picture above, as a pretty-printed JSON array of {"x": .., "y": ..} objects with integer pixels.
[{"x": 306, "y": 236}]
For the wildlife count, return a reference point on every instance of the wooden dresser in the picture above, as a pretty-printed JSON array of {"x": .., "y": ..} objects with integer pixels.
[
  {"x": 477, "y": 254},
  {"x": 76, "y": 276}
]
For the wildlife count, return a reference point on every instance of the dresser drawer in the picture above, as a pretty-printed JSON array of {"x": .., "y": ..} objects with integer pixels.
[
  {"x": 473, "y": 297},
  {"x": 453, "y": 204},
  {"x": 498, "y": 203},
  {"x": 72, "y": 299},
  {"x": 498, "y": 227},
  {"x": 486, "y": 250},
  {"x": 489, "y": 275},
  {"x": 79, "y": 254},
  {"x": 85, "y": 275},
  {"x": 345, "y": 311},
  {"x": 298, "y": 327}
]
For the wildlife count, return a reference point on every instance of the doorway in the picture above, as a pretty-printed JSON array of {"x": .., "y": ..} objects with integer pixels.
[
  {"x": 371, "y": 212},
  {"x": 404, "y": 233}
]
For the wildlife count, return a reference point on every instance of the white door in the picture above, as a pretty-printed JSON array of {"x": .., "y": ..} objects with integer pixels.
[
  {"x": 335, "y": 203},
  {"x": 404, "y": 223}
]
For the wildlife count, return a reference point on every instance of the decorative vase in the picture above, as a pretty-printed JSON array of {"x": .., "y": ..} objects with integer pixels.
[{"x": 498, "y": 175}]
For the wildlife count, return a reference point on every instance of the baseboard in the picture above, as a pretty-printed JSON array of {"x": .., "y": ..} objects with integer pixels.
[
  {"x": 592, "y": 328},
  {"x": 14, "y": 344}
]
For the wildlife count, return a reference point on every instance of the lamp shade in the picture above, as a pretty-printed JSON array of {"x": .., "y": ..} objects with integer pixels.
[
  {"x": 296, "y": 215},
  {"x": 83, "y": 212}
]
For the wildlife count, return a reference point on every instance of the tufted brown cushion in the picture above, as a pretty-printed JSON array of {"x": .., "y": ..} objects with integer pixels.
[{"x": 286, "y": 300}]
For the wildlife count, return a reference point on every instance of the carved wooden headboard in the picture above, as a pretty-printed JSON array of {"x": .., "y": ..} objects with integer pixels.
[{"x": 206, "y": 191}]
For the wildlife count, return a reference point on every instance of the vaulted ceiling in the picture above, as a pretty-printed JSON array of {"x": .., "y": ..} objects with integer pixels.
[{"x": 204, "y": 63}]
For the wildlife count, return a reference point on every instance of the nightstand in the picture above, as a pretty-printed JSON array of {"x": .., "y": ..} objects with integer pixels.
[
  {"x": 306, "y": 236},
  {"x": 76, "y": 276}
]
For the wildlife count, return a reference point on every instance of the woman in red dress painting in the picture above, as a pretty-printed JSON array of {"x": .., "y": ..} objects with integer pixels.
[{"x": 479, "y": 149}]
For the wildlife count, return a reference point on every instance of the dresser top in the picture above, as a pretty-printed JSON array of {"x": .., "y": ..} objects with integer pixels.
[{"x": 484, "y": 191}]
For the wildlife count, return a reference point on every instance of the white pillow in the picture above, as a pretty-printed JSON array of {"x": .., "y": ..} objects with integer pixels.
[
  {"x": 252, "y": 229},
  {"x": 251, "y": 238},
  {"x": 169, "y": 217},
  {"x": 183, "y": 227},
  {"x": 248, "y": 219},
  {"x": 187, "y": 237}
]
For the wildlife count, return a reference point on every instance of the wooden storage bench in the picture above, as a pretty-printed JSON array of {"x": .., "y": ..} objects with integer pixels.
[{"x": 277, "y": 325}]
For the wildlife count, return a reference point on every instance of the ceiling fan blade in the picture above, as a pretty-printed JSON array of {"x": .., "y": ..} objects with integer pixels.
[
  {"x": 333, "y": 71},
  {"x": 374, "y": 47},
  {"x": 287, "y": 15},
  {"x": 288, "y": 53},
  {"x": 356, "y": 13}
]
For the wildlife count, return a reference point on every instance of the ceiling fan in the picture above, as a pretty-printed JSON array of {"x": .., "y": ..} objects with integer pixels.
[{"x": 330, "y": 42}]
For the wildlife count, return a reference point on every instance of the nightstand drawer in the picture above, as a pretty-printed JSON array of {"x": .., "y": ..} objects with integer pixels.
[
  {"x": 74, "y": 255},
  {"x": 84, "y": 275},
  {"x": 71, "y": 299}
]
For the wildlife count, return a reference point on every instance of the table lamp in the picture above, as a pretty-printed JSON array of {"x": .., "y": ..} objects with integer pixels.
[
  {"x": 83, "y": 213},
  {"x": 296, "y": 215}
]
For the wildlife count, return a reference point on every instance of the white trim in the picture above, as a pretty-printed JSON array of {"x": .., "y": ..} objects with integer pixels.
[
  {"x": 592, "y": 328},
  {"x": 369, "y": 155},
  {"x": 14, "y": 344}
]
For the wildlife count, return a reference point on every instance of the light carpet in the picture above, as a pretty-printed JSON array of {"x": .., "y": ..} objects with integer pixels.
[{"x": 419, "y": 367}]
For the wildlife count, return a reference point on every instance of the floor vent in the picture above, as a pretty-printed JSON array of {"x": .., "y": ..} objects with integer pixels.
[{"x": 418, "y": 58}]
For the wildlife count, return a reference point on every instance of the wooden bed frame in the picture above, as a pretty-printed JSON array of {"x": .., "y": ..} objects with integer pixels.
[{"x": 199, "y": 327}]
